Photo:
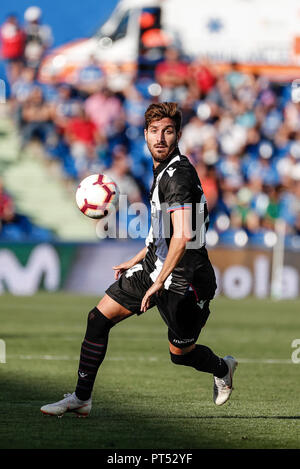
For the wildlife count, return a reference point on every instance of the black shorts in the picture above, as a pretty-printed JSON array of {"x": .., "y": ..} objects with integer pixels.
[{"x": 185, "y": 315}]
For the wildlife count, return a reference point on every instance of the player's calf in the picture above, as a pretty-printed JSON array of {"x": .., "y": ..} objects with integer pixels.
[
  {"x": 93, "y": 350},
  {"x": 203, "y": 359},
  {"x": 92, "y": 354}
]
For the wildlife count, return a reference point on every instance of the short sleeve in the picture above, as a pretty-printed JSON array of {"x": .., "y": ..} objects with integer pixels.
[{"x": 177, "y": 190}]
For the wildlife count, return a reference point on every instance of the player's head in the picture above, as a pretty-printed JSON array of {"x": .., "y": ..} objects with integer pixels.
[{"x": 162, "y": 129}]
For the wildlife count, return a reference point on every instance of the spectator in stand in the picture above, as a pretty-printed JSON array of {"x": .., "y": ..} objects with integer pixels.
[
  {"x": 291, "y": 113},
  {"x": 37, "y": 118},
  {"x": 134, "y": 105},
  {"x": 65, "y": 107},
  {"x": 82, "y": 137},
  {"x": 273, "y": 208},
  {"x": 90, "y": 78},
  {"x": 202, "y": 78},
  {"x": 195, "y": 133},
  {"x": 287, "y": 164},
  {"x": 230, "y": 173},
  {"x": 7, "y": 208},
  {"x": 235, "y": 77},
  {"x": 173, "y": 76},
  {"x": 104, "y": 108},
  {"x": 120, "y": 173},
  {"x": 188, "y": 109},
  {"x": 12, "y": 225},
  {"x": 38, "y": 37},
  {"x": 12, "y": 38},
  {"x": 209, "y": 180},
  {"x": 262, "y": 167},
  {"x": 297, "y": 224},
  {"x": 20, "y": 92},
  {"x": 23, "y": 85},
  {"x": 289, "y": 202},
  {"x": 81, "y": 128},
  {"x": 15, "y": 226}
]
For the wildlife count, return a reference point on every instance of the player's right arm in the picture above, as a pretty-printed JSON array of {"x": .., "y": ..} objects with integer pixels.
[{"x": 119, "y": 269}]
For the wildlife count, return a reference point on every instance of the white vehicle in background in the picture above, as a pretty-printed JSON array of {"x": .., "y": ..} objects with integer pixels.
[{"x": 261, "y": 35}]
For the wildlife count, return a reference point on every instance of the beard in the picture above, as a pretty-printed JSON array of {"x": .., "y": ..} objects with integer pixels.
[{"x": 160, "y": 153}]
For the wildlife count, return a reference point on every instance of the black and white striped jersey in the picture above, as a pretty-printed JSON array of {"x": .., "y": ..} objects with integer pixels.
[{"x": 176, "y": 186}]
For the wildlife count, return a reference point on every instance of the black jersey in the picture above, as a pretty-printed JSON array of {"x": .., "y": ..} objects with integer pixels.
[{"x": 176, "y": 186}]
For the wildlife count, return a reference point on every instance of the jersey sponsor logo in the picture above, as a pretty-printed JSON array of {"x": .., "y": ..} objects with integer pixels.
[{"x": 43, "y": 264}]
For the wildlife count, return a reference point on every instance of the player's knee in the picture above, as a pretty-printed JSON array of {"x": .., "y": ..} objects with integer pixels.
[
  {"x": 113, "y": 310},
  {"x": 180, "y": 350},
  {"x": 181, "y": 356},
  {"x": 98, "y": 325}
]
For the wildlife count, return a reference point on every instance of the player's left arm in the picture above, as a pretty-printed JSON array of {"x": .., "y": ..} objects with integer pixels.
[{"x": 182, "y": 234}]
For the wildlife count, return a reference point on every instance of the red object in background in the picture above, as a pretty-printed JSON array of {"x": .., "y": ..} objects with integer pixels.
[
  {"x": 82, "y": 130},
  {"x": 147, "y": 20},
  {"x": 13, "y": 41},
  {"x": 6, "y": 205},
  {"x": 203, "y": 77},
  {"x": 155, "y": 38},
  {"x": 178, "y": 69},
  {"x": 210, "y": 189}
]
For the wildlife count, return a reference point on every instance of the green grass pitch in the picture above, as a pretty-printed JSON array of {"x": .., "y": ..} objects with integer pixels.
[{"x": 142, "y": 400}]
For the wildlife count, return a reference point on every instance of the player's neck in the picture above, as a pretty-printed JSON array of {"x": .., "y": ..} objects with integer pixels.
[{"x": 173, "y": 153}]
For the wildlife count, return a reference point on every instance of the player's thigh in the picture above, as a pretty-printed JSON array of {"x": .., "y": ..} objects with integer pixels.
[
  {"x": 185, "y": 316},
  {"x": 129, "y": 290},
  {"x": 112, "y": 309}
]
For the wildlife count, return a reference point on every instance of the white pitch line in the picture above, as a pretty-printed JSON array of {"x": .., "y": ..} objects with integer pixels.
[
  {"x": 69, "y": 358},
  {"x": 265, "y": 361}
]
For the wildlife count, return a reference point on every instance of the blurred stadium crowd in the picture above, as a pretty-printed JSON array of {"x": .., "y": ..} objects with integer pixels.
[{"x": 241, "y": 131}]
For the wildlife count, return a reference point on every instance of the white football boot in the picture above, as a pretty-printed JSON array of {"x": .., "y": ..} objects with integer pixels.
[
  {"x": 70, "y": 403},
  {"x": 223, "y": 386}
]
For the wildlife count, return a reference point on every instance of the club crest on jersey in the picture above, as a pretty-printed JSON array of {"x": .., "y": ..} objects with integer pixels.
[
  {"x": 171, "y": 171},
  {"x": 201, "y": 303}
]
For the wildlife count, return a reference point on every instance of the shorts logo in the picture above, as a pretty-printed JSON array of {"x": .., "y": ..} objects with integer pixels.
[
  {"x": 201, "y": 303},
  {"x": 183, "y": 341}
]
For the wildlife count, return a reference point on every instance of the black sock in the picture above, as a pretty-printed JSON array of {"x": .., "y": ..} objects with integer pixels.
[
  {"x": 92, "y": 354},
  {"x": 203, "y": 359}
]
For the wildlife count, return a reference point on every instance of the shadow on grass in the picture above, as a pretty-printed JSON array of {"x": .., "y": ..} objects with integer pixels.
[
  {"x": 113, "y": 423},
  {"x": 279, "y": 417}
]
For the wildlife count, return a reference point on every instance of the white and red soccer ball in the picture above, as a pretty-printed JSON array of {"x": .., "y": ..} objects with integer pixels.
[{"x": 97, "y": 196}]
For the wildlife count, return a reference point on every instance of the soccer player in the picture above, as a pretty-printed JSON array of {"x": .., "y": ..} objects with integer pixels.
[{"x": 173, "y": 272}]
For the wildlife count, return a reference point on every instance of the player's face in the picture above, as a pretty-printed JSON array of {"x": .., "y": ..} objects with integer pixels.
[{"x": 161, "y": 138}]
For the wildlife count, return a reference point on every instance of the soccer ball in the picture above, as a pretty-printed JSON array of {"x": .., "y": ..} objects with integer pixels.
[{"x": 97, "y": 195}]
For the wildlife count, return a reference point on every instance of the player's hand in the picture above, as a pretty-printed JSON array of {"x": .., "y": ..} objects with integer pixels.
[
  {"x": 154, "y": 289},
  {"x": 119, "y": 269}
]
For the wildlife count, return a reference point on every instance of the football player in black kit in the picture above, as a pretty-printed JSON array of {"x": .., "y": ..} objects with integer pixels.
[{"x": 173, "y": 272}]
